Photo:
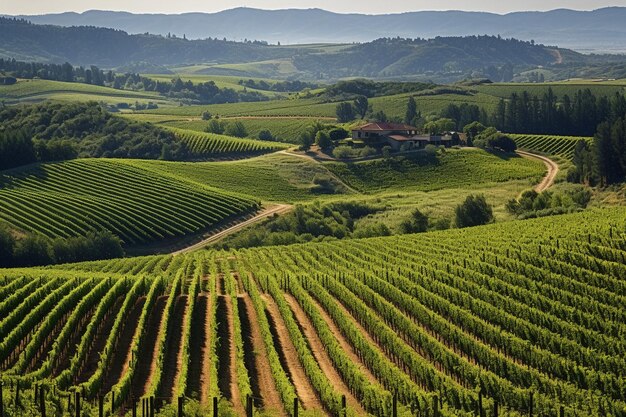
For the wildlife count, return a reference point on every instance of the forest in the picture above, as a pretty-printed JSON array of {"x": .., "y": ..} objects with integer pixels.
[{"x": 53, "y": 132}]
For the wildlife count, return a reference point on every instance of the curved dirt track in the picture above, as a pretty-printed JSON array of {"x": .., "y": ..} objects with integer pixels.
[
  {"x": 553, "y": 170},
  {"x": 270, "y": 211}
]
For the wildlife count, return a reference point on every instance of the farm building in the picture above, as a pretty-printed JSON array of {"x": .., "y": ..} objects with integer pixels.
[{"x": 399, "y": 135}]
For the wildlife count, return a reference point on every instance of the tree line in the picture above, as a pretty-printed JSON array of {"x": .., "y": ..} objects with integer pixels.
[
  {"x": 200, "y": 93},
  {"x": 36, "y": 250},
  {"x": 54, "y": 132},
  {"x": 548, "y": 114}
]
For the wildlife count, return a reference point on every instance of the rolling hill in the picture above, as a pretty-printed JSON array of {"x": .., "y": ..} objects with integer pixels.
[
  {"x": 580, "y": 30},
  {"x": 451, "y": 57}
]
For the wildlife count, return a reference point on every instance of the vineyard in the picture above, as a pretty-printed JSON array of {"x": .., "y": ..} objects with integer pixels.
[
  {"x": 209, "y": 145},
  {"x": 513, "y": 319},
  {"x": 562, "y": 146},
  {"x": 138, "y": 205}
]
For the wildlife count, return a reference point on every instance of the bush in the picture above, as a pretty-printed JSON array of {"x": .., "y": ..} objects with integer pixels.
[
  {"x": 206, "y": 115},
  {"x": 417, "y": 223},
  {"x": 473, "y": 212},
  {"x": 343, "y": 152},
  {"x": 237, "y": 130},
  {"x": 367, "y": 151},
  {"x": 322, "y": 139},
  {"x": 338, "y": 133},
  {"x": 266, "y": 135},
  {"x": 215, "y": 126}
]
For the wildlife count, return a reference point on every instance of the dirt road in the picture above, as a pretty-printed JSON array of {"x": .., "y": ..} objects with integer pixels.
[
  {"x": 553, "y": 170},
  {"x": 270, "y": 211}
]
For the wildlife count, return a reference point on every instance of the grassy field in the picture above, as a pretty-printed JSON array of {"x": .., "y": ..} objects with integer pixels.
[
  {"x": 343, "y": 321},
  {"x": 453, "y": 169},
  {"x": 504, "y": 90},
  {"x": 37, "y": 90}
]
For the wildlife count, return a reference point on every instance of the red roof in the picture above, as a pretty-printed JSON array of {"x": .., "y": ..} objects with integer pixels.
[{"x": 379, "y": 126}]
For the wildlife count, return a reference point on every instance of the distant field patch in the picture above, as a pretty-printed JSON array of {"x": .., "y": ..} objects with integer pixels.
[{"x": 562, "y": 146}]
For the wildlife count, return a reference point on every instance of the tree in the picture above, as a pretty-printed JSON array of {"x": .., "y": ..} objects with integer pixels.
[
  {"x": 215, "y": 126},
  {"x": 361, "y": 106},
  {"x": 322, "y": 139},
  {"x": 411, "y": 111},
  {"x": 7, "y": 242},
  {"x": 206, "y": 115},
  {"x": 417, "y": 223},
  {"x": 472, "y": 130},
  {"x": 502, "y": 142},
  {"x": 266, "y": 135},
  {"x": 237, "y": 130},
  {"x": 338, "y": 133},
  {"x": 305, "y": 140},
  {"x": 474, "y": 211},
  {"x": 344, "y": 112}
]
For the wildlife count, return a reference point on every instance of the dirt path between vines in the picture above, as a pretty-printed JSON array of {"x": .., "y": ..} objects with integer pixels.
[
  {"x": 146, "y": 365},
  {"x": 172, "y": 363},
  {"x": 552, "y": 167},
  {"x": 304, "y": 389},
  {"x": 124, "y": 355},
  {"x": 268, "y": 212},
  {"x": 345, "y": 345},
  {"x": 317, "y": 348},
  {"x": 227, "y": 353},
  {"x": 201, "y": 352}
]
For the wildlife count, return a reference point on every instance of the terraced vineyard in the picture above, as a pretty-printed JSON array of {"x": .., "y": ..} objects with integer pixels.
[
  {"x": 138, "y": 205},
  {"x": 562, "y": 146},
  {"x": 527, "y": 317},
  {"x": 210, "y": 145}
]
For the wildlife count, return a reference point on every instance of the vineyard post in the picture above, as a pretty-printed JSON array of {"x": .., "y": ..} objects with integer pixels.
[
  {"x": 215, "y": 411},
  {"x": 180, "y": 406},
  {"x": 100, "y": 406},
  {"x": 435, "y": 406},
  {"x": 249, "y": 411},
  {"x": 143, "y": 407},
  {"x": 495, "y": 408},
  {"x": 77, "y": 404},
  {"x": 530, "y": 404},
  {"x": 112, "y": 401},
  {"x": 295, "y": 407},
  {"x": 151, "y": 407},
  {"x": 134, "y": 400},
  {"x": 344, "y": 412},
  {"x": 394, "y": 405},
  {"x": 42, "y": 401}
]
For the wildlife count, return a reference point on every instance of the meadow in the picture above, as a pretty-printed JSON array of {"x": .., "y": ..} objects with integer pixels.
[{"x": 25, "y": 91}]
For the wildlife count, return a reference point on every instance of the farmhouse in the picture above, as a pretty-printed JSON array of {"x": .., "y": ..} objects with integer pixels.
[{"x": 399, "y": 136}]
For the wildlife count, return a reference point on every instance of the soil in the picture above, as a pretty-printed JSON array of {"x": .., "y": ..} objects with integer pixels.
[
  {"x": 147, "y": 362},
  {"x": 317, "y": 348},
  {"x": 289, "y": 358},
  {"x": 123, "y": 355},
  {"x": 173, "y": 350}
]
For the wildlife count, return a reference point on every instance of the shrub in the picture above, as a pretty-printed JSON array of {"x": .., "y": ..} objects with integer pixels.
[
  {"x": 266, "y": 135},
  {"x": 338, "y": 133},
  {"x": 237, "y": 130},
  {"x": 473, "y": 212},
  {"x": 215, "y": 126},
  {"x": 322, "y": 139}
]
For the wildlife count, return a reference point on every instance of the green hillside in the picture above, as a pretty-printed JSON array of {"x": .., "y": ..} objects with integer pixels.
[
  {"x": 530, "y": 312},
  {"x": 140, "y": 206}
]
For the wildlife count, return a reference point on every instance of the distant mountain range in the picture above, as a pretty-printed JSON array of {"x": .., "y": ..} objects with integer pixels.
[
  {"x": 440, "y": 58},
  {"x": 601, "y": 30}
]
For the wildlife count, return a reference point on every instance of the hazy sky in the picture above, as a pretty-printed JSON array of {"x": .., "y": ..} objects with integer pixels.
[{"x": 343, "y": 6}]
